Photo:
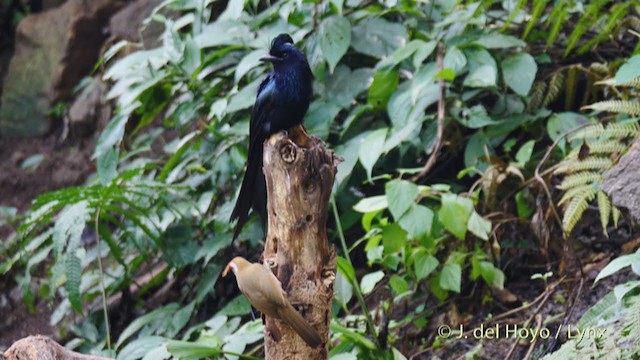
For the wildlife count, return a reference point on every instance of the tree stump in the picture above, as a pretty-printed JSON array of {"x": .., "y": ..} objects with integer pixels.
[
  {"x": 299, "y": 172},
  {"x": 40, "y": 347}
]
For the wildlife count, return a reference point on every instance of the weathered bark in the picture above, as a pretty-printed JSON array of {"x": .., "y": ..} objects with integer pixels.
[
  {"x": 43, "y": 348},
  {"x": 299, "y": 172}
]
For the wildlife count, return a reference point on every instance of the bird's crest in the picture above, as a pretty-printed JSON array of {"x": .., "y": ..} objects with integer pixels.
[{"x": 281, "y": 40}]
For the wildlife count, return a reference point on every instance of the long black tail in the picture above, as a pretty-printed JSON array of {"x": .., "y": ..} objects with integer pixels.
[{"x": 253, "y": 192}]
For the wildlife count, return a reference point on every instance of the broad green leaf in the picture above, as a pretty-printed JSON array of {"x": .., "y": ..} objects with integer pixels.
[
  {"x": 73, "y": 271},
  {"x": 343, "y": 289},
  {"x": 393, "y": 238},
  {"x": 349, "y": 153},
  {"x": 629, "y": 71},
  {"x": 398, "y": 284},
  {"x": 524, "y": 154},
  {"x": 369, "y": 281},
  {"x": 141, "y": 347},
  {"x": 138, "y": 323},
  {"x": 378, "y": 37},
  {"x": 519, "y": 72},
  {"x": 335, "y": 38},
  {"x": 499, "y": 41},
  {"x": 417, "y": 221},
  {"x": 479, "y": 226},
  {"x": 454, "y": 216},
  {"x": 384, "y": 84},
  {"x": 248, "y": 63},
  {"x": 371, "y": 149},
  {"x": 618, "y": 264},
  {"x": 476, "y": 117},
  {"x": 238, "y": 306},
  {"x": 522, "y": 206},
  {"x": 561, "y": 123},
  {"x": 451, "y": 277},
  {"x": 424, "y": 264},
  {"x": 371, "y": 204},
  {"x": 346, "y": 269},
  {"x": 107, "y": 164},
  {"x": 454, "y": 59},
  {"x": 483, "y": 76},
  {"x": 401, "y": 194}
]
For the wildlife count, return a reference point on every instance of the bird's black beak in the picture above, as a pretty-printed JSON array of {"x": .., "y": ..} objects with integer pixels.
[{"x": 270, "y": 58}]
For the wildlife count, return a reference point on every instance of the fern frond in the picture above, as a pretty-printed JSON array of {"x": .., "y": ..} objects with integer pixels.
[
  {"x": 574, "y": 211},
  {"x": 604, "y": 205},
  {"x": 573, "y": 192},
  {"x": 609, "y": 146},
  {"x": 617, "y": 106},
  {"x": 599, "y": 68},
  {"x": 591, "y": 131},
  {"x": 556, "y": 85},
  {"x": 536, "y": 10},
  {"x": 578, "y": 179},
  {"x": 615, "y": 215},
  {"x": 556, "y": 19},
  {"x": 616, "y": 14},
  {"x": 635, "y": 83},
  {"x": 590, "y": 163},
  {"x": 538, "y": 93},
  {"x": 591, "y": 15}
]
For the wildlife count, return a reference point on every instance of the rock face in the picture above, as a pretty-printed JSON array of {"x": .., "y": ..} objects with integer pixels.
[
  {"x": 54, "y": 50},
  {"x": 622, "y": 185},
  {"x": 127, "y": 23}
]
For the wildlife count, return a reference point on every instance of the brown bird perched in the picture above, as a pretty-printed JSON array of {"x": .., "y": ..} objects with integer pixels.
[{"x": 265, "y": 293}]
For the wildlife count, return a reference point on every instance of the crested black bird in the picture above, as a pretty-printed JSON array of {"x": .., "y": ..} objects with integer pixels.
[{"x": 282, "y": 101}]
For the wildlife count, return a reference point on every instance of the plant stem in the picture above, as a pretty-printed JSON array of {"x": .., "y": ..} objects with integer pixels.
[
  {"x": 104, "y": 294},
  {"x": 354, "y": 282}
]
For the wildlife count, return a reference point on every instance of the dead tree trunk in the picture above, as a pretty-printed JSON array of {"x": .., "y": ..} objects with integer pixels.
[{"x": 299, "y": 171}]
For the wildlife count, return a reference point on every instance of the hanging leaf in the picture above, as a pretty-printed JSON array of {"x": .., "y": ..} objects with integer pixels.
[{"x": 335, "y": 38}]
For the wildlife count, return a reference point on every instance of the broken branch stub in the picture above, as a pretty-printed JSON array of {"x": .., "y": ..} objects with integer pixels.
[{"x": 299, "y": 172}]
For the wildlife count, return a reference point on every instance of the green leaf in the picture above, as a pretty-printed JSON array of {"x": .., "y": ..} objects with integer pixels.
[
  {"x": 393, "y": 238},
  {"x": 371, "y": 204},
  {"x": 479, "y": 226},
  {"x": 248, "y": 63},
  {"x": 32, "y": 162},
  {"x": 401, "y": 194},
  {"x": 524, "y": 154},
  {"x": 499, "y": 41},
  {"x": 451, "y": 277},
  {"x": 618, "y": 264},
  {"x": 371, "y": 149},
  {"x": 238, "y": 306},
  {"x": 378, "y": 37},
  {"x": 454, "y": 59},
  {"x": 561, "y": 123},
  {"x": 73, "y": 271},
  {"x": 446, "y": 75},
  {"x": 384, "y": 84},
  {"x": 343, "y": 289},
  {"x": 524, "y": 211},
  {"x": 417, "y": 221},
  {"x": 141, "y": 347},
  {"x": 629, "y": 71},
  {"x": 519, "y": 72},
  {"x": 454, "y": 216},
  {"x": 424, "y": 264},
  {"x": 398, "y": 284},
  {"x": 335, "y": 38},
  {"x": 107, "y": 164},
  {"x": 138, "y": 323},
  {"x": 346, "y": 269},
  {"x": 369, "y": 281},
  {"x": 483, "y": 76}
]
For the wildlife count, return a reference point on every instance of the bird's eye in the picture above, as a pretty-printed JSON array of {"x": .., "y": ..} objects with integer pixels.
[{"x": 285, "y": 54}]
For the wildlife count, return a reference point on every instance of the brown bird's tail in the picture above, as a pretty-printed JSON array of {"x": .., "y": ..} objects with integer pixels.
[{"x": 300, "y": 325}]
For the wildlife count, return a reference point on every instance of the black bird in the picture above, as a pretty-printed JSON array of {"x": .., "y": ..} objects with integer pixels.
[{"x": 282, "y": 101}]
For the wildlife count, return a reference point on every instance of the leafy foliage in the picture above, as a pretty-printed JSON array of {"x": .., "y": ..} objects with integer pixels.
[{"x": 159, "y": 206}]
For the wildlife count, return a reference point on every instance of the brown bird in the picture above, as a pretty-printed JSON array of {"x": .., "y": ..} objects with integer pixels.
[{"x": 264, "y": 291}]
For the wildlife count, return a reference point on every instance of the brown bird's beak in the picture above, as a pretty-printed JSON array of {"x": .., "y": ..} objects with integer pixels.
[
  {"x": 226, "y": 270},
  {"x": 270, "y": 58}
]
